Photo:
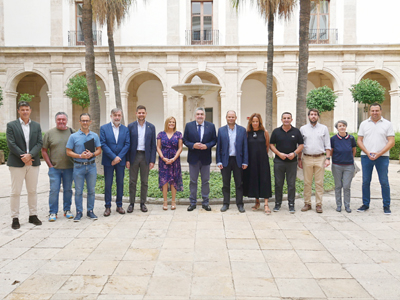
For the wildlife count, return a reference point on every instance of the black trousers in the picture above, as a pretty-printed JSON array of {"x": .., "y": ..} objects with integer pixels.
[
  {"x": 281, "y": 169},
  {"x": 226, "y": 181}
]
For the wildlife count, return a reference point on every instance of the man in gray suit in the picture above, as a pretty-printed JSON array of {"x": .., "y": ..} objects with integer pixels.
[{"x": 24, "y": 140}]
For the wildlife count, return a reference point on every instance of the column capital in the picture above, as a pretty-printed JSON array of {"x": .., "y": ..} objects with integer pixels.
[
  {"x": 10, "y": 94},
  {"x": 280, "y": 94},
  {"x": 231, "y": 69},
  {"x": 338, "y": 93},
  {"x": 394, "y": 93},
  {"x": 222, "y": 94},
  {"x": 48, "y": 94},
  {"x": 125, "y": 94}
]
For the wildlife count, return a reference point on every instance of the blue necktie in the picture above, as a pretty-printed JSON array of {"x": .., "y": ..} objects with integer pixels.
[{"x": 199, "y": 131}]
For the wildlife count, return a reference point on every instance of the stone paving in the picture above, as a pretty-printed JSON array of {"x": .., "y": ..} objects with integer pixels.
[{"x": 204, "y": 255}]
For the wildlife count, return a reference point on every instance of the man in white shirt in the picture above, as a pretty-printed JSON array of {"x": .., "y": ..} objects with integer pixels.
[
  {"x": 375, "y": 139},
  {"x": 313, "y": 160}
]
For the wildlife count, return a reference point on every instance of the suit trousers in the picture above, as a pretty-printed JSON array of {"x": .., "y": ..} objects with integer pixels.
[
  {"x": 30, "y": 174},
  {"x": 282, "y": 168},
  {"x": 139, "y": 164},
  {"x": 204, "y": 170},
  {"x": 226, "y": 181},
  {"x": 313, "y": 166},
  {"x": 108, "y": 180}
]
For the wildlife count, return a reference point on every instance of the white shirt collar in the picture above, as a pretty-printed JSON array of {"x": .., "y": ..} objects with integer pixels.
[{"x": 23, "y": 123}]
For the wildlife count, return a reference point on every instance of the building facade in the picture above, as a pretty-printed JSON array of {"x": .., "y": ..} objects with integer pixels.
[{"x": 164, "y": 43}]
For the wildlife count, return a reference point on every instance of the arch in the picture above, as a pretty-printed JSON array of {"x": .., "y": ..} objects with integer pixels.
[
  {"x": 390, "y": 75},
  {"x": 16, "y": 77},
  {"x": 128, "y": 78},
  {"x": 78, "y": 72},
  {"x": 336, "y": 82},
  {"x": 255, "y": 70},
  {"x": 212, "y": 72}
]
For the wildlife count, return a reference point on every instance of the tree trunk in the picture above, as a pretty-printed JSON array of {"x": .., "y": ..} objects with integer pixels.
[
  {"x": 270, "y": 74},
  {"x": 94, "y": 108},
  {"x": 303, "y": 63},
  {"x": 111, "y": 48}
]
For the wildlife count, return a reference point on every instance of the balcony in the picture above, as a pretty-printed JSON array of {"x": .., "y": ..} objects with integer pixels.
[
  {"x": 75, "y": 38},
  {"x": 203, "y": 37},
  {"x": 323, "y": 36}
]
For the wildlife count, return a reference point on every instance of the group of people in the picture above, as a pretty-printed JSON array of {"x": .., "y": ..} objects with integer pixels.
[{"x": 240, "y": 151}]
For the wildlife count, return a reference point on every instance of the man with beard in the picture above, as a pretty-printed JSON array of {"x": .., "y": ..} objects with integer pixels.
[
  {"x": 313, "y": 160},
  {"x": 115, "y": 142},
  {"x": 61, "y": 166},
  {"x": 141, "y": 156}
]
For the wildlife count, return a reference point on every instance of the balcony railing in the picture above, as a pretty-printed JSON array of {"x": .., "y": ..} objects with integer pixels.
[
  {"x": 202, "y": 37},
  {"x": 323, "y": 36},
  {"x": 75, "y": 38}
]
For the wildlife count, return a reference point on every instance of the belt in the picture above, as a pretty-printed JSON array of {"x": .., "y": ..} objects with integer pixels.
[
  {"x": 139, "y": 151},
  {"x": 86, "y": 163},
  {"x": 314, "y": 155}
]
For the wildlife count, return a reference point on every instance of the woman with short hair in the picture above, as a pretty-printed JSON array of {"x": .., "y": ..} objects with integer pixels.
[
  {"x": 342, "y": 152},
  {"x": 169, "y": 148}
]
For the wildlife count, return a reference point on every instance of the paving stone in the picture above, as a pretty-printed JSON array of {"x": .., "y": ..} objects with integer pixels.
[
  {"x": 42, "y": 284},
  {"x": 343, "y": 288},
  {"x": 129, "y": 285},
  {"x": 299, "y": 288},
  {"x": 83, "y": 284},
  {"x": 250, "y": 269},
  {"x": 289, "y": 270},
  {"x": 208, "y": 286},
  {"x": 256, "y": 286},
  {"x": 327, "y": 270}
]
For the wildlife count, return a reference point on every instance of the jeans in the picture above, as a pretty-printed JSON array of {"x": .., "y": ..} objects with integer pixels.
[
  {"x": 56, "y": 176},
  {"x": 82, "y": 172},
  {"x": 343, "y": 175},
  {"x": 108, "y": 181},
  {"x": 381, "y": 165}
]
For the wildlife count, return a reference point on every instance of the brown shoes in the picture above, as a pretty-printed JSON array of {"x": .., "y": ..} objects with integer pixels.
[
  {"x": 120, "y": 210},
  {"x": 306, "y": 207},
  {"x": 319, "y": 208},
  {"x": 130, "y": 208},
  {"x": 107, "y": 212}
]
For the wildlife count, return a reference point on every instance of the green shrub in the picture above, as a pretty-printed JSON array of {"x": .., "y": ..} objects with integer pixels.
[
  {"x": 368, "y": 91},
  {"x": 322, "y": 98}
]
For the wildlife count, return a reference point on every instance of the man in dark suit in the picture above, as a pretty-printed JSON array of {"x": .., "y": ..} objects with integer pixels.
[
  {"x": 232, "y": 156},
  {"x": 199, "y": 137},
  {"x": 141, "y": 155},
  {"x": 115, "y": 142},
  {"x": 24, "y": 140}
]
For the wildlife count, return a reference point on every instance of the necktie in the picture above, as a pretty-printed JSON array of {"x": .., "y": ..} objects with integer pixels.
[{"x": 199, "y": 131}]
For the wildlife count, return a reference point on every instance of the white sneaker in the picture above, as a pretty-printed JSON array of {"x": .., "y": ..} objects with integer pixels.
[{"x": 52, "y": 217}]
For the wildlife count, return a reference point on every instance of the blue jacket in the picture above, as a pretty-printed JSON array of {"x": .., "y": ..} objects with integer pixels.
[
  {"x": 191, "y": 137},
  {"x": 242, "y": 155},
  {"x": 111, "y": 149},
  {"x": 149, "y": 140}
]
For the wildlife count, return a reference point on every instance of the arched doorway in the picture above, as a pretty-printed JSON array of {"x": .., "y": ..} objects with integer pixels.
[
  {"x": 387, "y": 81},
  {"x": 212, "y": 102},
  {"x": 318, "y": 79},
  {"x": 34, "y": 84},
  {"x": 77, "y": 110},
  {"x": 146, "y": 89},
  {"x": 253, "y": 98}
]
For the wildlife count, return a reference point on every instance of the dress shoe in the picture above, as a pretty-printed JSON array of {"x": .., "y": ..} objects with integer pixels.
[
  {"x": 224, "y": 208},
  {"x": 206, "y": 207},
  {"x": 120, "y": 210},
  {"x": 15, "y": 224},
  {"x": 338, "y": 209},
  {"x": 191, "y": 207},
  {"x": 107, "y": 212},
  {"x": 34, "y": 220},
  {"x": 241, "y": 209},
  {"x": 143, "y": 207},
  {"x": 306, "y": 207},
  {"x": 318, "y": 208},
  {"x": 130, "y": 208}
]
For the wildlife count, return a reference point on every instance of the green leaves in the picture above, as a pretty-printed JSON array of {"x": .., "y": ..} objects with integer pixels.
[
  {"x": 25, "y": 97},
  {"x": 368, "y": 91},
  {"x": 322, "y": 98},
  {"x": 1, "y": 96},
  {"x": 77, "y": 90}
]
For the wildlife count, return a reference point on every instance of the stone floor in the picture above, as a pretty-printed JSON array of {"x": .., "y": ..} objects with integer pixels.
[{"x": 204, "y": 255}]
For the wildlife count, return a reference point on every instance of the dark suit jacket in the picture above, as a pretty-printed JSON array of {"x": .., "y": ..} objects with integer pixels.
[
  {"x": 242, "y": 156},
  {"x": 149, "y": 139},
  {"x": 111, "y": 149},
  {"x": 17, "y": 145},
  {"x": 191, "y": 136}
]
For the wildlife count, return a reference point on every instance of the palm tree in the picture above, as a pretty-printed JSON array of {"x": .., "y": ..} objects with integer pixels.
[
  {"x": 305, "y": 7},
  {"x": 111, "y": 12},
  {"x": 268, "y": 9},
  {"x": 94, "y": 108}
]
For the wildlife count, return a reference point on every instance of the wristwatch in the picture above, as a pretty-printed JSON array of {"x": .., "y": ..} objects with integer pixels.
[{"x": 328, "y": 158}]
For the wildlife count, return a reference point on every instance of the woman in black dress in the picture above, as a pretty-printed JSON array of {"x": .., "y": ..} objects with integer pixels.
[{"x": 257, "y": 177}]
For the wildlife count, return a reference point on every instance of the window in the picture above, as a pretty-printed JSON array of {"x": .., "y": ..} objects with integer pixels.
[
  {"x": 319, "y": 22},
  {"x": 209, "y": 114},
  {"x": 79, "y": 28},
  {"x": 202, "y": 27}
]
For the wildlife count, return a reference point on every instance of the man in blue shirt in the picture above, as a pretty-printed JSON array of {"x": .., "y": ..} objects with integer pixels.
[{"x": 84, "y": 164}]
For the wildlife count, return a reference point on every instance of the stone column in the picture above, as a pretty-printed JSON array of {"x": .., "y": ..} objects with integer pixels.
[
  {"x": 173, "y": 29},
  {"x": 349, "y": 108},
  {"x": 109, "y": 106},
  {"x": 222, "y": 115},
  {"x": 124, "y": 100},
  {"x": 288, "y": 98},
  {"x": 9, "y": 106},
  {"x": 56, "y": 94},
  {"x": 173, "y": 104},
  {"x": 281, "y": 107},
  {"x": 395, "y": 109},
  {"x": 338, "y": 112},
  {"x": 239, "y": 109},
  {"x": 111, "y": 92},
  {"x": 232, "y": 100}
]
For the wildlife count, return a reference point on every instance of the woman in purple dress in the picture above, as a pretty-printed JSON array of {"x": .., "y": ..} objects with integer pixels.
[{"x": 169, "y": 148}]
